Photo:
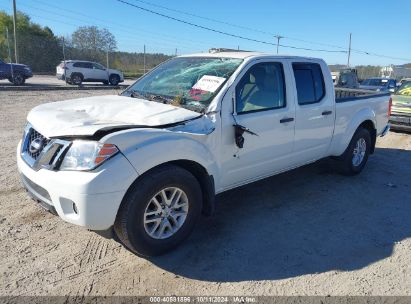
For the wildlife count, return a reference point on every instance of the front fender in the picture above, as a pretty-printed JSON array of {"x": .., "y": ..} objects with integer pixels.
[{"x": 148, "y": 148}]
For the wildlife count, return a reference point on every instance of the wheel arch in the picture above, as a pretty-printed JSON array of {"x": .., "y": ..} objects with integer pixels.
[
  {"x": 370, "y": 126},
  {"x": 201, "y": 174},
  {"x": 365, "y": 118},
  {"x": 114, "y": 74},
  {"x": 77, "y": 73}
]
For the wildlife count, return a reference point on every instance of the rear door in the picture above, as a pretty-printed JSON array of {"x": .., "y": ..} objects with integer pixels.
[
  {"x": 83, "y": 67},
  {"x": 315, "y": 110}
]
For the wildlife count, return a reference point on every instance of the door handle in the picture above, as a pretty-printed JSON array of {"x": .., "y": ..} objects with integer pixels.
[
  {"x": 326, "y": 113},
  {"x": 288, "y": 119}
]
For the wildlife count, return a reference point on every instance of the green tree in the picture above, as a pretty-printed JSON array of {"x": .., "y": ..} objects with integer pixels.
[
  {"x": 37, "y": 46},
  {"x": 93, "y": 38}
]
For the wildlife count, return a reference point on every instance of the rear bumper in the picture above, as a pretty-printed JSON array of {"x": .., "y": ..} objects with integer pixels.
[
  {"x": 400, "y": 122},
  {"x": 385, "y": 131}
]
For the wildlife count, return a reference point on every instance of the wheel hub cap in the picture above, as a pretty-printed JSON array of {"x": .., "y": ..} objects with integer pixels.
[
  {"x": 359, "y": 152},
  {"x": 166, "y": 213}
]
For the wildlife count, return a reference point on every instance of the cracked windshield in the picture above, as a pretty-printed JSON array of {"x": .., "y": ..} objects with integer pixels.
[{"x": 189, "y": 82}]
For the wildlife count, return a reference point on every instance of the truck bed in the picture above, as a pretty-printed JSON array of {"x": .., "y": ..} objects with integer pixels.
[{"x": 344, "y": 95}]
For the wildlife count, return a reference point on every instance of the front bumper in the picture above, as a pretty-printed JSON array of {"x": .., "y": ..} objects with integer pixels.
[
  {"x": 89, "y": 199},
  {"x": 400, "y": 122},
  {"x": 27, "y": 74}
]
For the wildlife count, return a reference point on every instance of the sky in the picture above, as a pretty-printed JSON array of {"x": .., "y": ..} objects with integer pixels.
[{"x": 377, "y": 27}]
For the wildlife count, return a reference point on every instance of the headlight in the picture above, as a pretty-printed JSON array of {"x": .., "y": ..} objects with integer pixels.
[
  {"x": 87, "y": 155},
  {"x": 27, "y": 69}
]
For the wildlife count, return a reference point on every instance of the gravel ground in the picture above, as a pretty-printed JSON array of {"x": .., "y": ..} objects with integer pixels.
[{"x": 306, "y": 232}]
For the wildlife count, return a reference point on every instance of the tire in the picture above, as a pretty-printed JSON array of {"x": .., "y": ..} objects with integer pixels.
[
  {"x": 76, "y": 79},
  {"x": 355, "y": 157},
  {"x": 114, "y": 79},
  {"x": 130, "y": 225},
  {"x": 18, "y": 79}
]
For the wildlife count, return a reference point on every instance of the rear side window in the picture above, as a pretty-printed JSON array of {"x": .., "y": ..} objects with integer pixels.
[
  {"x": 310, "y": 82},
  {"x": 84, "y": 65}
]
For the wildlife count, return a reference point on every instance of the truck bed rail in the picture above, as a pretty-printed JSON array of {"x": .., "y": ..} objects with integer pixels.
[{"x": 345, "y": 95}]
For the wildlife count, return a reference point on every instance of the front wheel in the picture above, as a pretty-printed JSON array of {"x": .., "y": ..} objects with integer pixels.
[
  {"x": 159, "y": 211},
  {"x": 356, "y": 155},
  {"x": 114, "y": 79}
]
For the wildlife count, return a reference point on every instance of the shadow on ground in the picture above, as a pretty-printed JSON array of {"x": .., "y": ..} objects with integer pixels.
[{"x": 306, "y": 221}]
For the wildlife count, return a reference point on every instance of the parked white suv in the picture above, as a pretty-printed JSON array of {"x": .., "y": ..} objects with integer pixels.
[
  {"x": 148, "y": 162},
  {"x": 77, "y": 72}
]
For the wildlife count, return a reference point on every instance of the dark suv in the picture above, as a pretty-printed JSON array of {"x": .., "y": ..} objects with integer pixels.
[{"x": 14, "y": 72}]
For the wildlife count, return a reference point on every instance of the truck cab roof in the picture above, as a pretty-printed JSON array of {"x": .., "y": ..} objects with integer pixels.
[{"x": 247, "y": 54}]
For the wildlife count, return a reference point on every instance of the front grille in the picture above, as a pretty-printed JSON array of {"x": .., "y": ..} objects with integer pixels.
[
  {"x": 34, "y": 135},
  {"x": 40, "y": 152}
]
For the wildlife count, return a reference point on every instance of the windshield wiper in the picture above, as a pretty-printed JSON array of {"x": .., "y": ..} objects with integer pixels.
[
  {"x": 160, "y": 98},
  {"x": 136, "y": 94}
]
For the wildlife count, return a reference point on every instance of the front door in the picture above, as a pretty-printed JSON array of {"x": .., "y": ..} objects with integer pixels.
[
  {"x": 262, "y": 106},
  {"x": 99, "y": 72}
]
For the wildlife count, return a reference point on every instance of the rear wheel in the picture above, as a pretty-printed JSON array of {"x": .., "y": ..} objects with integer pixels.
[
  {"x": 159, "y": 211},
  {"x": 76, "y": 79},
  {"x": 355, "y": 157}
]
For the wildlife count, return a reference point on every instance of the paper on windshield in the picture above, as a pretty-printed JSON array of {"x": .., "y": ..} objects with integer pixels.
[{"x": 209, "y": 83}]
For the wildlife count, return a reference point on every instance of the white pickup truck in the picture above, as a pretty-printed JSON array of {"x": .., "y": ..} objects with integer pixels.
[{"x": 145, "y": 164}]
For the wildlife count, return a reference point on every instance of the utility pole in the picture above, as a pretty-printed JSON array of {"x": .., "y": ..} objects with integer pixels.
[
  {"x": 144, "y": 59},
  {"x": 107, "y": 63},
  {"x": 8, "y": 45},
  {"x": 278, "y": 41},
  {"x": 349, "y": 52},
  {"x": 64, "y": 61},
  {"x": 15, "y": 32}
]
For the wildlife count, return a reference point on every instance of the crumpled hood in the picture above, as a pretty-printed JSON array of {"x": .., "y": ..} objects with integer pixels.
[{"x": 85, "y": 116}]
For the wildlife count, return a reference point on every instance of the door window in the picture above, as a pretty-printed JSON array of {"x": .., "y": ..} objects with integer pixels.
[
  {"x": 261, "y": 88},
  {"x": 98, "y": 66},
  {"x": 310, "y": 82}
]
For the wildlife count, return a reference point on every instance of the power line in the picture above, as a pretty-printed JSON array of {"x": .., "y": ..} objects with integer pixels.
[
  {"x": 237, "y": 25},
  {"x": 222, "y": 32},
  {"x": 171, "y": 41},
  {"x": 116, "y": 25},
  {"x": 204, "y": 18},
  {"x": 358, "y": 51}
]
